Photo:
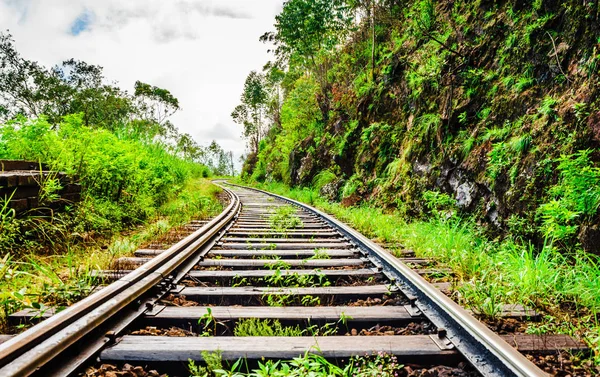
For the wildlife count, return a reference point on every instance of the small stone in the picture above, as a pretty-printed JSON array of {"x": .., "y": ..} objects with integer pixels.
[{"x": 354, "y": 332}]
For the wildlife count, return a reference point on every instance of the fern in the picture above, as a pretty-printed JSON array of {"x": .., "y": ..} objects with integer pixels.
[{"x": 323, "y": 178}]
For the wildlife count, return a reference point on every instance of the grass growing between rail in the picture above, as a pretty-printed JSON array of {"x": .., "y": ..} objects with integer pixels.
[
  {"x": 60, "y": 279},
  {"x": 380, "y": 365},
  {"x": 566, "y": 287}
]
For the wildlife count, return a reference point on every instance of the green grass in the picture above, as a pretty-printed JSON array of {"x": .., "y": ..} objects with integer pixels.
[
  {"x": 284, "y": 218},
  {"x": 488, "y": 273},
  {"x": 309, "y": 364},
  {"x": 265, "y": 327},
  {"x": 60, "y": 279}
]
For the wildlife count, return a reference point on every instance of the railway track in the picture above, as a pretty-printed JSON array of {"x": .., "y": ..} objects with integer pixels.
[{"x": 264, "y": 258}]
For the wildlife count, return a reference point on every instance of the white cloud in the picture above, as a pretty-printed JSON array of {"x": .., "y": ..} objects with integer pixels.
[{"x": 201, "y": 51}]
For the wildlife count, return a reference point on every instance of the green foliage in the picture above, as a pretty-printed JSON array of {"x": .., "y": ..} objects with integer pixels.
[
  {"x": 440, "y": 204},
  {"x": 286, "y": 280},
  {"x": 323, "y": 178},
  {"x": 213, "y": 365},
  {"x": 9, "y": 227},
  {"x": 427, "y": 126},
  {"x": 310, "y": 364},
  {"x": 124, "y": 181},
  {"x": 575, "y": 197},
  {"x": 306, "y": 28},
  {"x": 380, "y": 364},
  {"x": 155, "y": 104},
  {"x": 506, "y": 154},
  {"x": 285, "y": 218},
  {"x": 265, "y": 327},
  {"x": 547, "y": 107},
  {"x": 300, "y": 119},
  {"x": 249, "y": 113},
  {"x": 351, "y": 186}
]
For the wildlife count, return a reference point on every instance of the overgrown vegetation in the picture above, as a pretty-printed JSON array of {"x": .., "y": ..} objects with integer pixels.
[
  {"x": 58, "y": 279},
  {"x": 284, "y": 218},
  {"x": 309, "y": 364},
  {"x": 487, "y": 273},
  {"x": 467, "y": 131},
  {"x": 494, "y": 105},
  {"x": 258, "y": 327},
  {"x": 139, "y": 176}
]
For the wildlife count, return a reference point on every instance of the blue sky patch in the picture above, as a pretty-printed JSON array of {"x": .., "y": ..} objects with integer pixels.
[{"x": 81, "y": 23}]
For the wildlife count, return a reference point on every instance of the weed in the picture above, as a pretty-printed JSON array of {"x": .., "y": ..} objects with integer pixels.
[
  {"x": 310, "y": 364},
  {"x": 213, "y": 366},
  {"x": 209, "y": 323},
  {"x": 265, "y": 327},
  {"x": 380, "y": 364},
  {"x": 441, "y": 205},
  {"x": 279, "y": 279},
  {"x": 277, "y": 300},
  {"x": 547, "y": 107},
  {"x": 49, "y": 188},
  {"x": 284, "y": 219},
  {"x": 320, "y": 254},
  {"x": 309, "y": 300},
  {"x": 279, "y": 265}
]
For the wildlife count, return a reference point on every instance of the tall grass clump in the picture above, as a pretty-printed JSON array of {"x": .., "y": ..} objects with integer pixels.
[{"x": 323, "y": 178}]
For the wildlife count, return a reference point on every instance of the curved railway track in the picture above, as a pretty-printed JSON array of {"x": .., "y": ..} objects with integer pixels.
[{"x": 236, "y": 265}]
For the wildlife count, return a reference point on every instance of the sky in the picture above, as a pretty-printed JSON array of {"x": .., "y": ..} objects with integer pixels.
[{"x": 200, "y": 50}]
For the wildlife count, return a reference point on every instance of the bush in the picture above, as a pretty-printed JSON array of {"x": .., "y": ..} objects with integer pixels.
[
  {"x": 574, "y": 199},
  {"x": 124, "y": 180}
]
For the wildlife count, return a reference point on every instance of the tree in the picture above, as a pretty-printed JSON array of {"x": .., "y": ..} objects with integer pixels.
[
  {"x": 187, "y": 148},
  {"x": 154, "y": 103},
  {"x": 368, "y": 12},
  {"x": 105, "y": 106},
  {"x": 251, "y": 111},
  {"x": 154, "y": 106},
  {"x": 306, "y": 29},
  {"x": 73, "y": 86},
  {"x": 219, "y": 161},
  {"x": 28, "y": 88},
  {"x": 274, "y": 77}
]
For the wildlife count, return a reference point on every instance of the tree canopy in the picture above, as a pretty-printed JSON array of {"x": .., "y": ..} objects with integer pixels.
[{"x": 29, "y": 89}]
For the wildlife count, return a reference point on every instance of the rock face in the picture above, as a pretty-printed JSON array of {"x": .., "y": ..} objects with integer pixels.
[
  {"x": 465, "y": 191},
  {"x": 331, "y": 191}
]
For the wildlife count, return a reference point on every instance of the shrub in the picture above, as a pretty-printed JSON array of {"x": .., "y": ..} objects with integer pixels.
[
  {"x": 574, "y": 199},
  {"x": 124, "y": 180}
]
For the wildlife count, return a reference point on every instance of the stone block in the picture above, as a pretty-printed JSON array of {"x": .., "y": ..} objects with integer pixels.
[{"x": 19, "y": 205}]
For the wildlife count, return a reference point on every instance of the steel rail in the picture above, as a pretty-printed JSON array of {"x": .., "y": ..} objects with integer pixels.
[
  {"x": 486, "y": 351},
  {"x": 27, "y": 352}
]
